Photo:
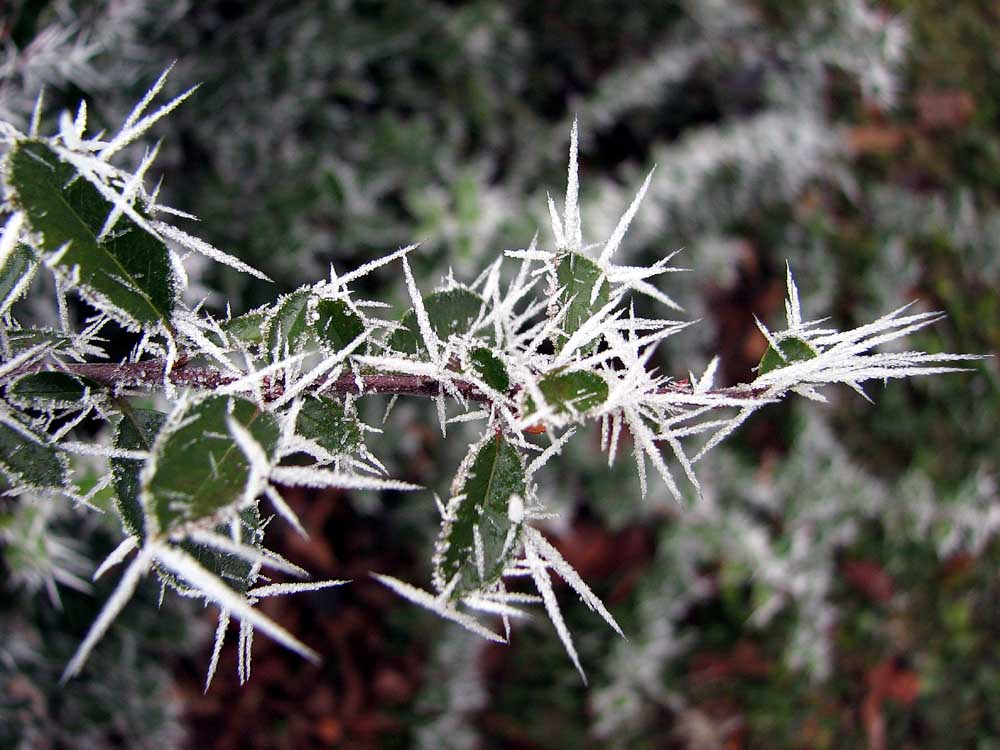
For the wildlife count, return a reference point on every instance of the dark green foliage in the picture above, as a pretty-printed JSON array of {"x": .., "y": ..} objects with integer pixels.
[
  {"x": 30, "y": 461},
  {"x": 302, "y": 321},
  {"x": 130, "y": 268},
  {"x": 577, "y": 275},
  {"x": 792, "y": 350},
  {"x": 20, "y": 264},
  {"x": 490, "y": 369},
  {"x": 571, "y": 392},
  {"x": 136, "y": 431},
  {"x": 496, "y": 472},
  {"x": 50, "y": 389},
  {"x": 450, "y": 312},
  {"x": 288, "y": 326},
  {"x": 199, "y": 467},
  {"x": 29, "y": 337},
  {"x": 248, "y": 328},
  {"x": 337, "y": 325},
  {"x": 324, "y": 420}
]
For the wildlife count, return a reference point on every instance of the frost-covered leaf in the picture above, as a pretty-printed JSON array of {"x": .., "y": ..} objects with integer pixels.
[
  {"x": 475, "y": 541},
  {"x": 26, "y": 338},
  {"x": 288, "y": 324},
  {"x": 128, "y": 272},
  {"x": 303, "y": 320},
  {"x": 793, "y": 349},
  {"x": 136, "y": 431},
  {"x": 30, "y": 460},
  {"x": 324, "y": 420},
  {"x": 198, "y": 468},
  {"x": 577, "y": 275},
  {"x": 15, "y": 275},
  {"x": 490, "y": 369},
  {"x": 47, "y": 389},
  {"x": 571, "y": 392},
  {"x": 248, "y": 328},
  {"x": 234, "y": 569},
  {"x": 337, "y": 325},
  {"x": 451, "y": 311}
]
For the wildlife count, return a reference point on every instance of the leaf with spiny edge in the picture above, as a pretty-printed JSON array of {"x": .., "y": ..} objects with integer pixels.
[
  {"x": 451, "y": 311},
  {"x": 198, "y": 468},
  {"x": 129, "y": 270},
  {"x": 491, "y": 472},
  {"x": 137, "y": 431}
]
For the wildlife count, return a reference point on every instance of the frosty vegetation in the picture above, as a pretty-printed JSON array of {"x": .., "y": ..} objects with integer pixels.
[{"x": 544, "y": 344}]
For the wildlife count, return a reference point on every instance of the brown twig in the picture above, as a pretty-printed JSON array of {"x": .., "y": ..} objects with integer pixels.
[{"x": 149, "y": 374}]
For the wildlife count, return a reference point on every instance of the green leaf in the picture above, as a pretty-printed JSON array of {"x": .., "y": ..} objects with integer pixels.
[
  {"x": 231, "y": 568},
  {"x": 43, "y": 389},
  {"x": 199, "y": 468},
  {"x": 28, "y": 337},
  {"x": 248, "y": 328},
  {"x": 31, "y": 460},
  {"x": 793, "y": 348},
  {"x": 491, "y": 473},
  {"x": 450, "y": 312},
  {"x": 324, "y": 420},
  {"x": 338, "y": 325},
  {"x": 490, "y": 369},
  {"x": 16, "y": 275},
  {"x": 577, "y": 275},
  {"x": 128, "y": 271},
  {"x": 288, "y": 324},
  {"x": 304, "y": 320},
  {"x": 571, "y": 392},
  {"x": 136, "y": 432}
]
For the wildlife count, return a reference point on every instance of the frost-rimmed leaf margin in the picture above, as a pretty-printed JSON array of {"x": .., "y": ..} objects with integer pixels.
[
  {"x": 478, "y": 538},
  {"x": 196, "y": 469},
  {"x": 450, "y": 311},
  {"x": 30, "y": 460},
  {"x": 128, "y": 275}
]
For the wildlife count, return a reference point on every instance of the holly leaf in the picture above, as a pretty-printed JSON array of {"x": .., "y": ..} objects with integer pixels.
[
  {"x": 491, "y": 472},
  {"x": 127, "y": 274},
  {"x": 198, "y": 467},
  {"x": 451, "y": 311}
]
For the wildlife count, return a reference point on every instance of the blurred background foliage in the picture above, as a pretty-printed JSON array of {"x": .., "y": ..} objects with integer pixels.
[{"x": 838, "y": 587}]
